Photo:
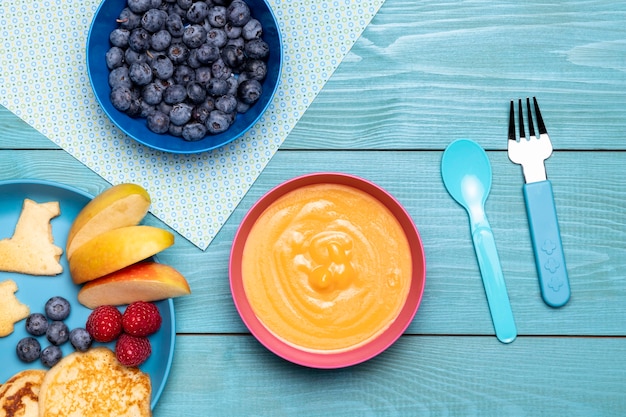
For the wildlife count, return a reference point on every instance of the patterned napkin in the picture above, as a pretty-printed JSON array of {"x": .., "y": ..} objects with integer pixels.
[{"x": 43, "y": 80}]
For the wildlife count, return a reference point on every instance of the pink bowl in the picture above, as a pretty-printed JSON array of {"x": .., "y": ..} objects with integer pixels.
[{"x": 331, "y": 359}]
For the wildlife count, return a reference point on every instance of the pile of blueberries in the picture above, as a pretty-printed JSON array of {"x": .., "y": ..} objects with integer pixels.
[
  {"x": 56, "y": 331},
  {"x": 186, "y": 66}
]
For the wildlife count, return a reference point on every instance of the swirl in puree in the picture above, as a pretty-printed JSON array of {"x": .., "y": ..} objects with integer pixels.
[{"x": 326, "y": 267}]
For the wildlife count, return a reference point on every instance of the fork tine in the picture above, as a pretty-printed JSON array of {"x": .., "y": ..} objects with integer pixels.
[
  {"x": 522, "y": 134},
  {"x": 540, "y": 125},
  {"x": 512, "y": 122},
  {"x": 531, "y": 128}
]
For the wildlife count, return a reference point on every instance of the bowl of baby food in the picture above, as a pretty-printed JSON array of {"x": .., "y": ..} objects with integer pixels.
[{"x": 327, "y": 270}]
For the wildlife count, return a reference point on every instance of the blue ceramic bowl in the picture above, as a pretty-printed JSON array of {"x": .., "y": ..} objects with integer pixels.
[{"x": 98, "y": 44}]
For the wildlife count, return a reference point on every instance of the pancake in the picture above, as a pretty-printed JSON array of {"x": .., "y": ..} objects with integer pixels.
[
  {"x": 92, "y": 384},
  {"x": 19, "y": 396}
]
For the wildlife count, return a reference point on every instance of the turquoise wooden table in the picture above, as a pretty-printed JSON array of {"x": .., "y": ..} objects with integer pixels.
[{"x": 423, "y": 74}]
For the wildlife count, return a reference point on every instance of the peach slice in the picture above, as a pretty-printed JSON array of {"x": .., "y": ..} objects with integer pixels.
[
  {"x": 120, "y": 206},
  {"x": 144, "y": 281},
  {"x": 116, "y": 249}
]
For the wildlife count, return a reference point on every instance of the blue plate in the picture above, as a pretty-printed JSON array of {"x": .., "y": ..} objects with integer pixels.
[
  {"x": 98, "y": 44},
  {"x": 34, "y": 291}
]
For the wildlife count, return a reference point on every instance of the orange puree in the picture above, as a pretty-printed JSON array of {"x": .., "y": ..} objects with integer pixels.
[{"x": 326, "y": 267}]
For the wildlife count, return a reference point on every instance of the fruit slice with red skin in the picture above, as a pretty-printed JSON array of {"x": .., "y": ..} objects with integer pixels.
[
  {"x": 117, "y": 249},
  {"x": 120, "y": 206},
  {"x": 144, "y": 281}
]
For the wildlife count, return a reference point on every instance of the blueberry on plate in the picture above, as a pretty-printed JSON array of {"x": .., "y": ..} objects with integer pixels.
[
  {"x": 57, "y": 333},
  {"x": 57, "y": 308},
  {"x": 28, "y": 349},
  {"x": 51, "y": 355},
  {"x": 80, "y": 339}
]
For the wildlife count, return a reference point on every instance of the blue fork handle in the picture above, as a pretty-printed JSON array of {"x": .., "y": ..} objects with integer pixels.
[
  {"x": 493, "y": 281},
  {"x": 546, "y": 240}
]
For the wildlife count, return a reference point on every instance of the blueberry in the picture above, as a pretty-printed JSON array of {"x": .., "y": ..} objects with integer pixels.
[
  {"x": 217, "y": 16},
  {"x": 233, "y": 56},
  {"x": 121, "y": 98},
  {"x": 201, "y": 112},
  {"x": 232, "y": 32},
  {"x": 146, "y": 109},
  {"x": 184, "y": 74},
  {"x": 57, "y": 308},
  {"x": 178, "y": 53},
  {"x": 203, "y": 75},
  {"x": 128, "y": 19},
  {"x": 217, "y": 122},
  {"x": 232, "y": 86},
  {"x": 252, "y": 30},
  {"x": 36, "y": 324},
  {"x": 219, "y": 69},
  {"x": 131, "y": 56},
  {"x": 249, "y": 91},
  {"x": 175, "y": 130},
  {"x": 194, "y": 36},
  {"x": 161, "y": 40},
  {"x": 114, "y": 57},
  {"x": 119, "y": 37},
  {"x": 257, "y": 49},
  {"x": 140, "y": 73},
  {"x": 139, "y": 40},
  {"x": 180, "y": 114},
  {"x": 152, "y": 94},
  {"x": 51, "y": 355},
  {"x": 158, "y": 122},
  {"x": 194, "y": 131},
  {"x": 163, "y": 67},
  {"x": 196, "y": 92},
  {"x": 153, "y": 20},
  {"x": 217, "y": 87},
  {"x": 198, "y": 12},
  {"x": 226, "y": 103},
  {"x": 185, "y": 4},
  {"x": 57, "y": 333},
  {"x": 139, "y": 6},
  {"x": 174, "y": 25},
  {"x": 119, "y": 77},
  {"x": 175, "y": 93},
  {"x": 256, "y": 69},
  {"x": 238, "y": 13},
  {"x": 28, "y": 349},
  {"x": 207, "y": 53},
  {"x": 242, "y": 107},
  {"x": 217, "y": 37},
  {"x": 192, "y": 59},
  {"x": 80, "y": 339}
]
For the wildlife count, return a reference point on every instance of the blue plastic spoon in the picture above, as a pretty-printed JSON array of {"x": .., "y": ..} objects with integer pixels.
[{"x": 466, "y": 173}]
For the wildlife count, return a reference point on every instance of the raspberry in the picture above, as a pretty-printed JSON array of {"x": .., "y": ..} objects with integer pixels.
[
  {"x": 131, "y": 350},
  {"x": 104, "y": 324},
  {"x": 141, "y": 319}
]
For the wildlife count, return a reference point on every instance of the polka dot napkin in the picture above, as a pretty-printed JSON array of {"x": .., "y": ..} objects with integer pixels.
[{"x": 43, "y": 80}]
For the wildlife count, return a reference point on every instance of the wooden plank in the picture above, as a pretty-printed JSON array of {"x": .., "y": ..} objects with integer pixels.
[
  {"x": 468, "y": 376},
  {"x": 426, "y": 72},
  {"x": 590, "y": 203},
  {"x": 17, "y": 134}
]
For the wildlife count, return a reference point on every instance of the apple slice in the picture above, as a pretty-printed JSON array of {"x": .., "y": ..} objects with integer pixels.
[
  {"x": 116, "y": 249},
  {"x": 120, "y": 206},
  {"x": 144, "y": 281}
]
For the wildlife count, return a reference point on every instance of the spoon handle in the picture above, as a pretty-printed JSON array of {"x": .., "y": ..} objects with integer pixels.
[{"x": 493, "y": 281}]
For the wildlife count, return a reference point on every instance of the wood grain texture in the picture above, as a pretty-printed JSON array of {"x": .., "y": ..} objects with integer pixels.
[
  {"x": 421, "y": 75},
  {"x": 426, "y": 72},
  {"x": 418, "y": 376}
]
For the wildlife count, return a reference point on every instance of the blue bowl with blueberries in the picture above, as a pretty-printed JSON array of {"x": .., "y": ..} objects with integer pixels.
[{"x": 184, "y": 76}]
